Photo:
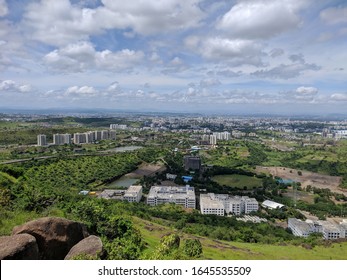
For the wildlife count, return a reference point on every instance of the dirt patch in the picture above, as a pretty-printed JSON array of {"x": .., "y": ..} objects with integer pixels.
[
  {"x": 146, "y": 170},
  {"x": 299, "y": 195},
  {"x": 307, "y": 178},
  {"x": 152, "y": 227},
  {"x": 279, "y": 147},
  {"x": 222, "y": 246}
]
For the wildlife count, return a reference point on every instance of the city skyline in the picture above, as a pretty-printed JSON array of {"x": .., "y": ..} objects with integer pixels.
[{"x": 250, "y": 56}]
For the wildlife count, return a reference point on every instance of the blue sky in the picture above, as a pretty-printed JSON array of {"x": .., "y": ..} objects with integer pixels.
[{"x": 246, "y": 56}]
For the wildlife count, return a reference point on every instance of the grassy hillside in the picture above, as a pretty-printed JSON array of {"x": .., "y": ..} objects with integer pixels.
[{"x": 221, "y": 250}]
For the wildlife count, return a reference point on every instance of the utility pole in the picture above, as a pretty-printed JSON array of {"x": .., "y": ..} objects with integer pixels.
[{"x": 294, "y": 194}]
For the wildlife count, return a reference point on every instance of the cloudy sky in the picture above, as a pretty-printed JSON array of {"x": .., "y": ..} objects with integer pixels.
[{"x": 230, "y": 56}]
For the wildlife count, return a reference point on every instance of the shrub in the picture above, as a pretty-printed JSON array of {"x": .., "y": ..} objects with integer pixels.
[{"x": 192, "y": 248}]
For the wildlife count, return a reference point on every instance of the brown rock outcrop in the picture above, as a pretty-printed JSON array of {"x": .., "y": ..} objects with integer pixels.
[
  {"x": 18, "y": 247},
  {"x": 90, "y": 246},
  {"x": 54, "y": 236}
]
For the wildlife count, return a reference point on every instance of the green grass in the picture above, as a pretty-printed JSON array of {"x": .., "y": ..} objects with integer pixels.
[
  {"x": 9, "y": 220},
  {"x": 238, "y": 181},
  {"x": 222, "y": 250},
  {"x": 245, "y": 251}
]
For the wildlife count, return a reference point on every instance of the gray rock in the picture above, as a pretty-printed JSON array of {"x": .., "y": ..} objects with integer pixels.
[
  {"x": 54, "y": 236},
  {"x": 18, "y": 247},
  {"x": 90, "y": 246}
]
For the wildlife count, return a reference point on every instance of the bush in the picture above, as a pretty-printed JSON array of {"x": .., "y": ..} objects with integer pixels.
[{"x": 192, "y": 248}]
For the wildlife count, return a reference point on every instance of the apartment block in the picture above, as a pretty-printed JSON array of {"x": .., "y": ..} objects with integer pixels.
[
  {"x": 41, "y": 140},
  {"x": 61, "y": 139}
]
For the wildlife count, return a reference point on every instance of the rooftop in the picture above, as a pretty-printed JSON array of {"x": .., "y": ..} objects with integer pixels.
[
  {"x": 272, "y": 204},
  {"x": 172, "y": 191}
]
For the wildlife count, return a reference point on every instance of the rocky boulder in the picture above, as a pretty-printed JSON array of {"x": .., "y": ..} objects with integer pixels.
[
  {"x": 54, "y": 236},
  {"x": 90, "y": 247},
  {"x": 18, "y": 247}
]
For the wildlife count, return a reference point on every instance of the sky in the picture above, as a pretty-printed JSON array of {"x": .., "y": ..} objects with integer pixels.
[{"x": 208, "y": 56}]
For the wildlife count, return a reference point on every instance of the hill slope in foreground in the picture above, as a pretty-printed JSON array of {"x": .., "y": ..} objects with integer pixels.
[{"x": 222, "y": 250}]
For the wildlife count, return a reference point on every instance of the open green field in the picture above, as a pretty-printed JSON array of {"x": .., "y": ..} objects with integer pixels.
[
  {"x": 221, "y": 250},
  {"x": 238, "y": 181}
]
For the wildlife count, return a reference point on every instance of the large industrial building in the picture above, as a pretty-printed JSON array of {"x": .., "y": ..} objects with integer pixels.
[
  {"x": 181, "y": 195},
  {"x": 219, "y": 204},
  {"x": 329, "y": 230}
]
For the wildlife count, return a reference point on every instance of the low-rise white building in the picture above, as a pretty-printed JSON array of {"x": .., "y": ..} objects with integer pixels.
[
  {"x": 343, "y": 228},
  {"x": 209, "y": 205},
  {"x": 251, "y": 205},
  {"x": 299, "y": 228},
  {"x": 272, "y": 204},
  {"x": 112, "y": 194},
  {"x": 133, "y": 194},
  {"x": 181, "y": 195},
  {"x": 236, "y": 205},
  {"x": 329, "y": 230}
]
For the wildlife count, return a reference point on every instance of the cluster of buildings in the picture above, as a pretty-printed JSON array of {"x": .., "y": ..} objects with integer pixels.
[
  {"x": 77, "y": 138},
  {"x": 132, "y": 194},
  {"x": 212, "y": 138},
  {"x": 329, "y": 230},
  {"x": 219, "y": 204},
  {"x": 336, "y": 134},
  {"x": 214, "y": 204},
  {"x": 92, "y": 136}
]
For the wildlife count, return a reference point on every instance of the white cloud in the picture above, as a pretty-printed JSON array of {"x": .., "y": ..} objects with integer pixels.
[
  {"x": 59, "y": 22},
  {"x": 114, "y": 87},
  {"x": 84, "y": 90},
  {"x": 334, "y": 15},
  {"x": 82, "y": 56},
  {"x": 11, "y": 46},
  {"x": 276, "y": 52},
  {"x": 12, "y": 86},
  {"x": 209, "y": 82},
  {"x": 175, "y": 65},
  {"x": 339, "y": 97},
  {"x": 151, "y": 16},
  {"x": 306, "y": 90},
  {"x": 239, "y": 51},
  {"x": 260, "y": 18},
  {"x": 118, "y": 61},
  {"x": 191, "y": 41},
  {"x": 155, "y": 58},
  {"x": 286, "y": 71},
  {"x": 3, "y": 8}
]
